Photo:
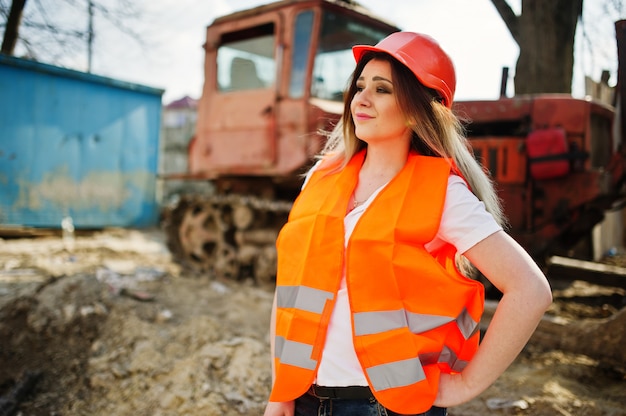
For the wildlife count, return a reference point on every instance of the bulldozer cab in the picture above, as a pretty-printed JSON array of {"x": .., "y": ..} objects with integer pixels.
[{"x": 274, "y": 76}]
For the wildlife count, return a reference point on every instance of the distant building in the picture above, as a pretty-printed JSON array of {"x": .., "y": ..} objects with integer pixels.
[
  {"x": 600, "y": 90},
  {"x": 177, "y": 128}
]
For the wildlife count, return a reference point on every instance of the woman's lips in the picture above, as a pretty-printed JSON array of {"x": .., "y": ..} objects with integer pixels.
[{"x": 362, "y": 117}]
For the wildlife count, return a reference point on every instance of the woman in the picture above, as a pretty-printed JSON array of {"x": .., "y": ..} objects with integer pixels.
[{"x": 372, "y": 314}]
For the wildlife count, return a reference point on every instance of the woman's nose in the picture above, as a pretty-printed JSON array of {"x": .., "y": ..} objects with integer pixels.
[{"x": 362, "y": 97}]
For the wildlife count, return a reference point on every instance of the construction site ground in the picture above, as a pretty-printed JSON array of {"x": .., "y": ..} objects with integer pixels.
[{"x": 109, "y": 325}]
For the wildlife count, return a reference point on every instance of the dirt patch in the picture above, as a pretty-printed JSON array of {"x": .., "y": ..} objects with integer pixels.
[{"x": 115, "y": 327}]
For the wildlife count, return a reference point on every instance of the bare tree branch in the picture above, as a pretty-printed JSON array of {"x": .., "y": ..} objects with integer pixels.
[
  {"x": 509, "y": 17},
  {"x": 12, "y": 28},
  {"x": 119, "y": 17},
  {"x": 51, "y": 38},
  {"x": 4, "y": 9},
  {"x": 54, "y": 29}
]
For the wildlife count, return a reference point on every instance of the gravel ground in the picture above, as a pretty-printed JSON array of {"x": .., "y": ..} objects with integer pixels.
[{"x": 110, "y": 325}]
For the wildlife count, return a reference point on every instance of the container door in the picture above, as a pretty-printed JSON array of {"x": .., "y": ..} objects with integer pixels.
[{"x": 239, "y": 133}]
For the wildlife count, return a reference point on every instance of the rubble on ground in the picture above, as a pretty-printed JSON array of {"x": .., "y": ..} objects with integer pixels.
[{"x": 113, "y": 326}]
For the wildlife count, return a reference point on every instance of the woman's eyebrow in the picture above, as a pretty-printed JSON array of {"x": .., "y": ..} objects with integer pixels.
[
  {"x": 379, "y": 78},
  {"x": 376, "y": 78}
]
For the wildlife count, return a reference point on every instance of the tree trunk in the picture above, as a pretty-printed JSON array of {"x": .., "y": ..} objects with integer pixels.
[
  {"x": 12, "y": 27},
  {"x": 545, "y": 34}
]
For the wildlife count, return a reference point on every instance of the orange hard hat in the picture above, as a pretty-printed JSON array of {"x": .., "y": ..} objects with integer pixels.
[{"x": 423, "y": 56}]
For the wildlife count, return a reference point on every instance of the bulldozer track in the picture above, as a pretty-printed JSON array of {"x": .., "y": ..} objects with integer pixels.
[{"x": 230, "y": 236}]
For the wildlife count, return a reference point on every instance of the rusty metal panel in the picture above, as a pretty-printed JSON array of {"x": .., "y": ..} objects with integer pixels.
[
  {"x": 485, "y": 111},
  {"x": 504, "y": 157},
  {"x": 76, "y": 144},
  {"x": 561, "y": 111}
]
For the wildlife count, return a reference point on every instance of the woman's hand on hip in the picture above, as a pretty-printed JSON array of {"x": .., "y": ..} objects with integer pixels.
[
  {"x": 453, "y": 391},
  {"x": 280, "y": 409}
]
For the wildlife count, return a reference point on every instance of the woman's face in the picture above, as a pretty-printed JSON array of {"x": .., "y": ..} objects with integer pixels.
[{"x": 375, "y": 110}]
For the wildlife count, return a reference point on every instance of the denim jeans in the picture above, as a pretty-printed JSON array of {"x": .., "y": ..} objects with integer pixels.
[{"x": 308, "y": 405}]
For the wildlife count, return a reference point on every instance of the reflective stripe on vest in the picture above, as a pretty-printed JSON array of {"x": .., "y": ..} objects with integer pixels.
[
  {"x": 302, "y": 297},
  {"x": 367, "y": 323},
  {"x": 397, "y": 374},
  {"x": 293, "y": 353}
]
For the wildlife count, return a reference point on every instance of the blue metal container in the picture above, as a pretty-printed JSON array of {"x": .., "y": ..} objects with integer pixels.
[{"x": 75, "y": 144}]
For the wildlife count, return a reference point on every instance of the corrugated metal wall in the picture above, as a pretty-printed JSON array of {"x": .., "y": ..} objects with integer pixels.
[{"x": 76, "y": 144}]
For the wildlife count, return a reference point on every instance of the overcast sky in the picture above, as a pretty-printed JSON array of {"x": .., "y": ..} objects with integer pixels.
[{"x": 171, "y": 57}]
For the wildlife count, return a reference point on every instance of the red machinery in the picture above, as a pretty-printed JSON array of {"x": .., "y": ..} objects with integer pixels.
[
  {"x": 275, "y": 76},
  {"x": 548, "y": 155}
]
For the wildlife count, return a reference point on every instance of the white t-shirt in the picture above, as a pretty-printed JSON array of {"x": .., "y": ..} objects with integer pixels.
[{"x": 464, "y": 223}]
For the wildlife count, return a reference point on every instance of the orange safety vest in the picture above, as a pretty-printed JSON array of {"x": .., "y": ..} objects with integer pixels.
[{"x": 413, "y": 314}]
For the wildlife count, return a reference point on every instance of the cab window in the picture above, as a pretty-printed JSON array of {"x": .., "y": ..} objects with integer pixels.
[
  {"x": 334, "y": 61},
  {"x": 300, "y": 54},
  {"x": 245, "y": 59}
]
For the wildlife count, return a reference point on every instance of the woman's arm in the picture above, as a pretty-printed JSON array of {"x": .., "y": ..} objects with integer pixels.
[{"x": 526, "y": 296}]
